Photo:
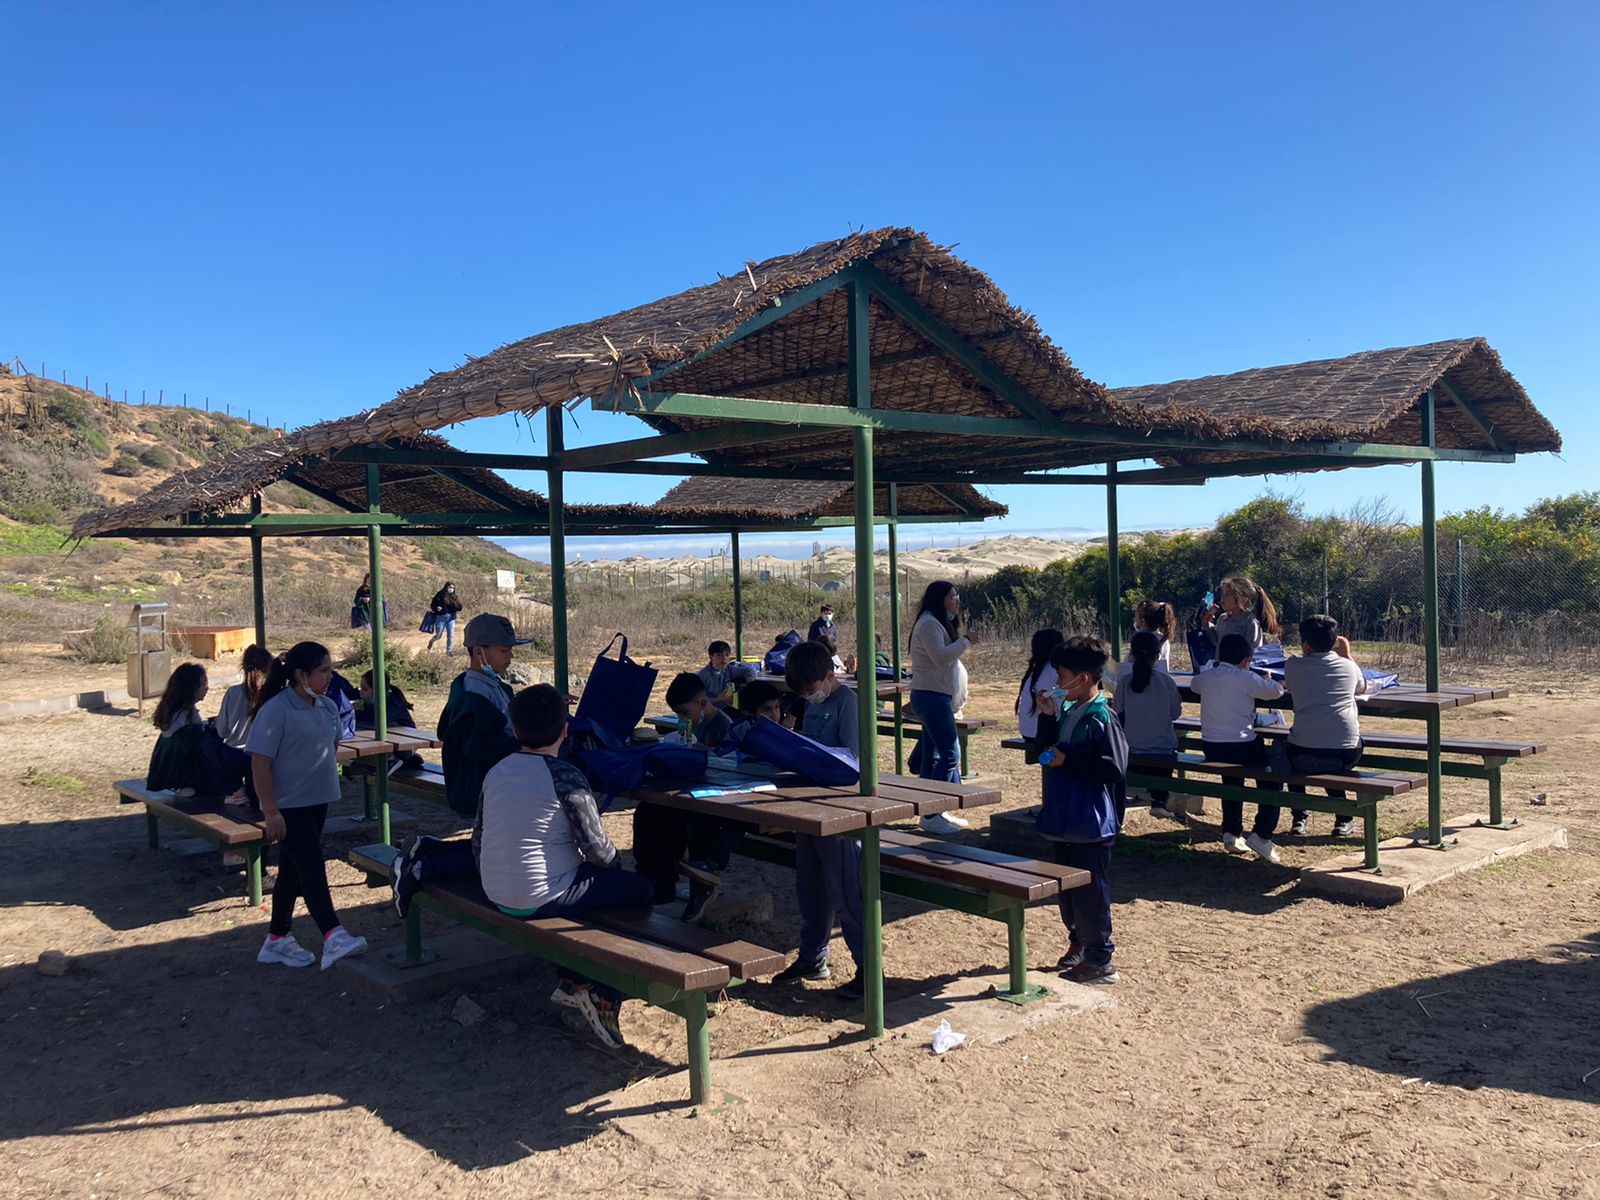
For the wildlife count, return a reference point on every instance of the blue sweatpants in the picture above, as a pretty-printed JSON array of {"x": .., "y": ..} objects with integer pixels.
[
  {"x": 827, "y": 884},
  {"x": 1086, "y": 910}
]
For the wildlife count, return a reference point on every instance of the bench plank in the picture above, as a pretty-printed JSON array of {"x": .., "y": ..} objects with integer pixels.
[
  {"x": 1481, "y": 747},
  {"x": 1361, "y": 783},
  {"x": 936, "y": 862},
  {"x": 744, "y": 959},
  {"x": 1067, "y": 877},
  {"x": 206, "y": 817}
]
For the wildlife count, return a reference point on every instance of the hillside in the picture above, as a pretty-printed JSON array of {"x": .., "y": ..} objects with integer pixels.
[{"x": 64, "y": 450}]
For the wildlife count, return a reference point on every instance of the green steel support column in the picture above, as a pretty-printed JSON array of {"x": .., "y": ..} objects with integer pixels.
[
  {"x": 1021, "y": 991},
  {"x": 894, "y": 629},
  {"x": 258, "y": 594},
  {"x": 380, "y": 672},
  {"x": 694, "y": 1016},
  {"x": 1430, "y": 625},
  {"x": 1369, "y": 839},
  {"x": 152, "y": 829},
  {"x": 738, "y": 601},
  {"x": 558, "y": 546},
  {"x": 860, "y": 338},
  {"x": 252, "y": 858},
  {"x": 1113, "y": 567}
]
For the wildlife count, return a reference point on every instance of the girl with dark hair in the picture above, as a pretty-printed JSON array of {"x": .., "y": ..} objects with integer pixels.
[
  {"x": 1159, "y": 618},
  {"x": 293, "y": 737},
  {"x": 1038, "y": 674},
  {"x": 1148, "y": 702},
  {"x": 443, "y": 607},
  {"x": 232, "y": 764},
  {"x": 178, "y": 761},
  {"x": 361, "y": 606},
  {"x": 937, "y": 678}
]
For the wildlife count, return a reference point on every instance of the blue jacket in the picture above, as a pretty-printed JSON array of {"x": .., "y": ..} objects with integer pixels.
[{"x": 1085, "y": 799}]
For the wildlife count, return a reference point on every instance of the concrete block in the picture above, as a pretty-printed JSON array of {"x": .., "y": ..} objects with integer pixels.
[
  {"x": 464, "y": 956},
  {"x": 1407, "y": 868},
  {"x": 1013, "y": 831}
]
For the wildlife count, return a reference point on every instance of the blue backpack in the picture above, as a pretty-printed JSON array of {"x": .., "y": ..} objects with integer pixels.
[
  {"x": 613, "y": 771},
  {"x": 777, "y": 659},
  {"x": 831, "y": 766}
]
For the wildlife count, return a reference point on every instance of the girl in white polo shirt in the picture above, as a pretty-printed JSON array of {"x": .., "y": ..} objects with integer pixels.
[{"x": 294, "y": 734}]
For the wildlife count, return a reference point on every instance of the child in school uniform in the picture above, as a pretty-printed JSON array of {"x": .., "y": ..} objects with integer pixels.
[
  {"x": 1246, "y": 610},
  {"x": 764, "y": 700},
  {"x": 1323, "y": 683},
  {"x": 690, "y": 700},
  {"x": 827, "y": 870},
  {"x": 1037, "y": 729},
  {"x": 667, "y": 841},
  {"x": 179, "y": 758},
  {"x": 1147, "y": 701},
  {"x": 232, "y": 724},
  {"x": 294, "y": 734},
  {"x": 1158, "y": 617},
  {"x": 1085, "y": 795},
  {"x": 717, "y": 674},
  {"x": 542, "y": 852},
  {"x": 1228, "y": 693}
]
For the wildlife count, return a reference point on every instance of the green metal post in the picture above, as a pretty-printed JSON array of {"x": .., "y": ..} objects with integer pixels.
[
  {"x": 1113, "y": 567},
  {"x": 252, "y": 868},
  {"x": 380, "y": 671},
  {"x": 1021, "y": 991},
  {"x": 558, "y": 546},
  {"x": 1496, "y": 807},
  {"x": 894, "y": 628},
  {"x": 1369, "y": 838},
  {"x": 258, "y": 593},
  {"x": 694, "y": 1018},
  {"x": 859, "y": 327},
  {"x": 152, "y": 829},
  {"x": 738, "y": 600},
  {"x": 1430, "y": 625}
]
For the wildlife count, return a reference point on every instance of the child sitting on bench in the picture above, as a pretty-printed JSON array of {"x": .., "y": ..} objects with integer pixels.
[
  {"x": 542, "y": 852},
  {"x": 716, "y": 676},
  {"x": 1148, "y": 702},
  {"x": 1323, "y": 683},
  {"x": 1228, "y": 693},
  {"x": 232, "y": 724},
  {"x": 764, "y": 700},
  {"x": 179, "y": 759},
  {"x": 1085, "y": 794}
]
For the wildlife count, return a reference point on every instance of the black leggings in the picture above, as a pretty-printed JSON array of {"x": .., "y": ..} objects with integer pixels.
[{"x": 302, "y": 873}]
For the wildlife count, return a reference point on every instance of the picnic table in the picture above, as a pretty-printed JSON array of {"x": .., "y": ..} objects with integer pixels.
[
  {"x": 798, "y": 807},
  {"x": 402, "y": 739}
]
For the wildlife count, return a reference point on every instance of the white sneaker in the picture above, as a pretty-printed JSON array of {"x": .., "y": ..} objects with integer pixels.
[
  {"x": 1233, "y": 843},
  {"x": 237, "y": 798},
  {"x": 1262, "y": 848},
  {"x": 1158, "y": 810},
  {"x": 340, "y": 943},
  {"x": 581, "y": 1002},
  {"x": 943, "y": 824},
  {"x": 285, "y": 951}
]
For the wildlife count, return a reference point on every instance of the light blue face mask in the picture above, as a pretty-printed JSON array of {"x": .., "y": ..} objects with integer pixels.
[{"x": 490, "y": 672}]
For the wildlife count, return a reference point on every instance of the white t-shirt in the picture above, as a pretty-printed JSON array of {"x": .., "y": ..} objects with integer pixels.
[
  {"x": 1028, "y": 701},
  {"x": 1228, "y": 702}
]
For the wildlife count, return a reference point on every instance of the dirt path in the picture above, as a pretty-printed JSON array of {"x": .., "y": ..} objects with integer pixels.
[{"x": 1262, "y": 1043}]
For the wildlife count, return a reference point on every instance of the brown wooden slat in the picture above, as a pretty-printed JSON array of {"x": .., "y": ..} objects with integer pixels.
[
  {"x": 966, "y": 795},
  {"x": 1483, "y": 747},
  {"x": 344, "y": 754},
  {"x": 1363, "y": 783},
  {"x": 968, "y": 723},
  {"x": 924, "y": 804},
  {"x": 366, "y": 747},
  {"x": 760, "y": 808},
  {"x": 744, "y": 959},
  {"x": 211, "y": 821},
  {"x": 406, "y": 739},
  {"x": 952, "y": 868},
  {"x": 1067, "y": 877}
]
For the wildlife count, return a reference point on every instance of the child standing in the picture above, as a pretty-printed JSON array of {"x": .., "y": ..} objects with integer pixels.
[
  {"x": 1159, "y": 618},
  {"x": 444, "y": 606},
  {"x": 827, "y": 879},
  {"x": 293, "y": 736},
  {"x": 1085, "y": 794},
  {"x": 1038, "y": 734},
  {"x": 1245, "y": 610},
  {"x": 1323, "y": 683},
  {"x": 1148, "y": 701},
  {"x": 1228, "y": 694},
  {"x": 541, "y": 850}
]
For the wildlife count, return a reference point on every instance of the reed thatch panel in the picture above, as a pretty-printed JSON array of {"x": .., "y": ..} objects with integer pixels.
[{"x": 783, "y": 499}]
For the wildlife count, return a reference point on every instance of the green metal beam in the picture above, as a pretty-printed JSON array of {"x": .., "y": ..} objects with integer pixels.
[
  {"x": 954, "y": 345},
  {"x": 554, "y": 414},
  {"x": 823, "y": 416},
  {"x": 661, "y": 445},
  {"x": 1430, "y": 624},
  {"x": 1469, "y": 411},
  {"x": 1113, "y": 567}
]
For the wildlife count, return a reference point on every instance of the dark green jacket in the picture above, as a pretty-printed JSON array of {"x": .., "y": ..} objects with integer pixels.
[{"x": 472, "y": 737}]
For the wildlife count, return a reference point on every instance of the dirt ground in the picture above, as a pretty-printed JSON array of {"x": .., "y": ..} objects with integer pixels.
[{"x": 1261, "y": 1043}]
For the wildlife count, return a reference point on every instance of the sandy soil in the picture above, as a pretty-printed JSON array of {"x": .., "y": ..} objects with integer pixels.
[{"x": 1262, "y": 1043}]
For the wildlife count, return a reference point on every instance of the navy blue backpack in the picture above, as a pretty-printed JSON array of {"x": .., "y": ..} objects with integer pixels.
[{"x": 777, "y": 659}]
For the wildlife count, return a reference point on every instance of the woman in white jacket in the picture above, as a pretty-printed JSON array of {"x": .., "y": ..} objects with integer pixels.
[{"x": 937, "y": 677}]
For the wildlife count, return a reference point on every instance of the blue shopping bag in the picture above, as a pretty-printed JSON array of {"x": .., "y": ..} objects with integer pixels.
[
  {"x": 831, "y": 766},
  {"x": 618, "y": 690},
  {"x": 776, "y": 659}
]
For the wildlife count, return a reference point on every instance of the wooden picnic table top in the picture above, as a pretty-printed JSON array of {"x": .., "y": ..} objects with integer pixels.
[
  {"x": 1403, "y": 699},
  {"x": 365, "y": 746},
  {"x": 798, "y": 807}
]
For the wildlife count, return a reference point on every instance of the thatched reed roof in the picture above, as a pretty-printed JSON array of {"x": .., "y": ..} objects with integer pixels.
[
  {"x": 793, "y": 499},
  {"x": 1376, "y": 392}
]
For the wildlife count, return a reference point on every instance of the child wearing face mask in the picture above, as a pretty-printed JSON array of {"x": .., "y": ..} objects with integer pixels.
[
  {"x": 827, "y": 880},
  {"x": 823, "y": 626},
  {"x": 1085, "y": 795}
]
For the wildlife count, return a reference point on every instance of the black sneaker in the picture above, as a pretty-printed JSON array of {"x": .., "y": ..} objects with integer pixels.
[
  {"x": 1094, "y": 973},
  {"x": 1070, "y": 959},
  {"x": 1301, "y": 827},
  {"x": 1345, "y": 827},
  {"x": 852, "y": 992},
  {"x": 403, "y": 882},
  {"x": 798, "y": 970},
  {"x": 700, "y": 898},
  {"x": 700, "y": 870}
]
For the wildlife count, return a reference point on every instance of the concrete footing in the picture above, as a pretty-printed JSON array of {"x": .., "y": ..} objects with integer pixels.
[
  {"x": 464, "y": 956},
  {"x": 1406, "y": 867}
]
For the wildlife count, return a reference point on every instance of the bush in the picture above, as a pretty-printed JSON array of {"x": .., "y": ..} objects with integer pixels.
[
  {"x": 157, "y": 457},
  {"x": 108, "y": 642},
  {"x": 124, "y": 465},
  {"x": 773, "y": 603},
  {"x": 420, "y": 670}
]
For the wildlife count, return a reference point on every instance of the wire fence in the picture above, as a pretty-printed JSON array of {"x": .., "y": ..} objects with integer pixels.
[{"x": 42, "y": 378}]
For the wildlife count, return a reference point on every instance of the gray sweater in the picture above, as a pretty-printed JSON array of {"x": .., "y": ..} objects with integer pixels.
[
  {"x": 537, "y": 825},
  {"x": 1147, "y": 716},
  {"x": 833, "y": 721}
]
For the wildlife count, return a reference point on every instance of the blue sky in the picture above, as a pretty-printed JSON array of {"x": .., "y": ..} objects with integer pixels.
[{"x": 301, "y": 209}]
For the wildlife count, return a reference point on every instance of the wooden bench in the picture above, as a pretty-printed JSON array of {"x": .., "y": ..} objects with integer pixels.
[
  {"x": 1365, "y": 789},
  {"x": 651, "y": 957},
  {"x": 965, "y": 726},
  {"x": 1493, "y": 755},
  {"x": 238, "y": 829},
  {"x": 970, "y": 879}
]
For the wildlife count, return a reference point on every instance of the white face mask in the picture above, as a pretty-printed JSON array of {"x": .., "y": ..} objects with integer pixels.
[
  {"x": 827, "y": 618},
  {"x": 816, "y": 697}
]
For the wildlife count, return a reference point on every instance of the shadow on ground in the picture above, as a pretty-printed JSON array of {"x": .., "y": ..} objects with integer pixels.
[{"x": 1525, "y": 1025}]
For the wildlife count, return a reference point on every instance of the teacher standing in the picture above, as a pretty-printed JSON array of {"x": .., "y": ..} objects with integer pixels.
[{"x": 938, "y": 684}]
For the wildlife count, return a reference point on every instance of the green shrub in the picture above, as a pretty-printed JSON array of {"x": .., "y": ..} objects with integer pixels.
[
  {"x": 125, "y": 465},
  {"x": 155, "y": 456},
  {"x": 771, "y": 603},
  {"x": 108, "y": 642},
  {"x": 34, "y": 538},
  {"x": 419, "y": 670}
]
